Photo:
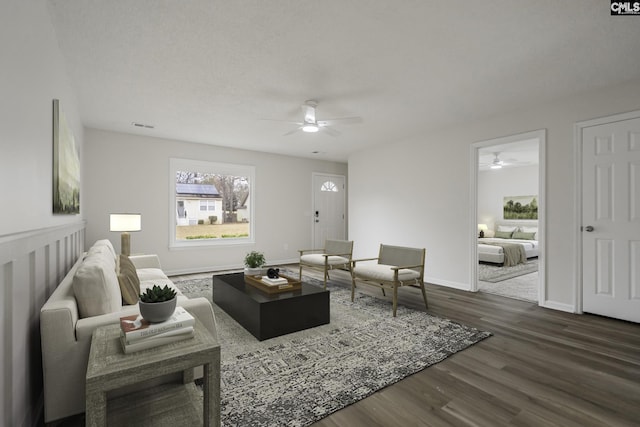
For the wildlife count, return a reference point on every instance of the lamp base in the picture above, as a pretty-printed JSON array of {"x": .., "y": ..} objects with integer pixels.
[{"x": 125, "y": 244}]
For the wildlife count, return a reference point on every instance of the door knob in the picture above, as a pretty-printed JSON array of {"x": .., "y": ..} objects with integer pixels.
[{"x": 588, "y": 228}]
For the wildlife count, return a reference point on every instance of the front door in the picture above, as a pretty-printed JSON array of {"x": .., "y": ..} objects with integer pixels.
[
  {"x": 328, "y": 214},
  {"x": 611, "y": 219}
]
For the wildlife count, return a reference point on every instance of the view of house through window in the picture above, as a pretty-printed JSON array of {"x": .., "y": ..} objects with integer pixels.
[{"x": 210, "y": 206}]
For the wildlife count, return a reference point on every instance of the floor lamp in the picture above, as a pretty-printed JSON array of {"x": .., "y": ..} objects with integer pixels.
[{"x": 125, "y": 223}]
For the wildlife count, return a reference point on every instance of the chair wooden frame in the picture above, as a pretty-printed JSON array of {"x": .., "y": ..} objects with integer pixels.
[
  {"x": 397, "y": 258},
  {"x": 332, "y": 248}
]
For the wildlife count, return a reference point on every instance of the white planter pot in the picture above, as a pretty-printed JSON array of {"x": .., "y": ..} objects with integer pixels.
[
  {"x": 253, "y": 271},
  {"x": 155, "y": 312}
]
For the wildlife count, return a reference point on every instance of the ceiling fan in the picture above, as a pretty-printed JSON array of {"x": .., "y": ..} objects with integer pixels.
[
  {"x": 498, "y": 163},
  {"x": 310, "y": 123}
]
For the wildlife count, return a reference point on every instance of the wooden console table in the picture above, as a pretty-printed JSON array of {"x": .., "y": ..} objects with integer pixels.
[{"x": 109, "y": 368}]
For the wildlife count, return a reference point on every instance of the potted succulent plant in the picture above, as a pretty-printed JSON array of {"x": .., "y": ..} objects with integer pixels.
[
  {"x": 157, "y": 304},
  {"x": 254, "y": 261}
]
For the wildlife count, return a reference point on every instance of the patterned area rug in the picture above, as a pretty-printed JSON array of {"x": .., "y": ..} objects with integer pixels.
[
  {"x": 299, "y": 378},
  {"x": 494, "y": 273}
]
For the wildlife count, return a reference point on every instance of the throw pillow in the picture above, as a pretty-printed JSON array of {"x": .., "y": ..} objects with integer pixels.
[
  {"x": 128, "y": 280},
  {"x": 95, "y": 286},
  {"x": 503, "y": 234},
  {"x": 524, "y": 236}
]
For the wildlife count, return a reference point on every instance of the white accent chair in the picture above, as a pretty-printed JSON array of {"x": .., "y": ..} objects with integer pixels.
[
  {"x": 335, "y": 254},
  {"x": 396, "y": 266}
]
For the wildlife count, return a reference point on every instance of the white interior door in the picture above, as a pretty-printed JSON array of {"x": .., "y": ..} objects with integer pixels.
[
  {"x": 329, "y": 219},
  {"x": 611, "y": 219}
]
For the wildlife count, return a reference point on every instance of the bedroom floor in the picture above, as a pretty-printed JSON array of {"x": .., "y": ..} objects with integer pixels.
[{"x": 522, "y": 287}]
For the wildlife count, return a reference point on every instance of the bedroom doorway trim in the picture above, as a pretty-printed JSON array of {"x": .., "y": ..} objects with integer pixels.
[{"x": 541, "y": 136}]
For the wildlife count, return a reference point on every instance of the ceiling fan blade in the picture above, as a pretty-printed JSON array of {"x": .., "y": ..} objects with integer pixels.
[
  {"x": 330, "y": 131},
  {"x": 341, "y": 120},
  {"x": 292, "y": 131},
  {"x": 282, "y": 121}
]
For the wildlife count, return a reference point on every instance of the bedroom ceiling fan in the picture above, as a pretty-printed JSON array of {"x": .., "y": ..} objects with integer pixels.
[
  {"x": 311, "y": 124},
  {"x": 498, "y": 163}
]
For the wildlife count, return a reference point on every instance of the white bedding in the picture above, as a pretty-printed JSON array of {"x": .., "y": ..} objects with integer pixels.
[
  {"x": 493, "y": 253},
  {"x": 528, "y": 244}
]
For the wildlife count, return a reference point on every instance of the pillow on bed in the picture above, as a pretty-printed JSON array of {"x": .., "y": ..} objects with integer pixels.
[
  {"x": 509, "y": 228},
  {"x": 524, "y": 236},
  {"x": 503, "y": 234}
]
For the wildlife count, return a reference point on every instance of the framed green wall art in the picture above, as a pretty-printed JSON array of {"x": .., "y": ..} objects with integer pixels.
[
  {"x": 520, "y": 207},
  {"x": 66, "y": 165}
]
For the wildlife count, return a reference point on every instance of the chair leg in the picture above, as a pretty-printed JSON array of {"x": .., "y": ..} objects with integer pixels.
[
  {"x": 395, "y": 299},
  {"x": 424, "y": 295},
  {"x": 300, "y": 275},
  {"x": 353, "y": 287},
  {"x": 326, "y": 274},
  {"x": 382, "y": 287}
]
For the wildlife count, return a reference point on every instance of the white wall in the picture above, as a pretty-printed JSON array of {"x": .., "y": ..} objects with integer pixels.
[
  {"x": 31, "y": 76},
  {"x": 130, "y": 173},
  {"x": 426, "y": 179},
  {"x": 495, "y": 184}
]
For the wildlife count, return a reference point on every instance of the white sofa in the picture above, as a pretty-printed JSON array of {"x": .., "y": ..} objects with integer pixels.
[{"x": 66, "y": 335}]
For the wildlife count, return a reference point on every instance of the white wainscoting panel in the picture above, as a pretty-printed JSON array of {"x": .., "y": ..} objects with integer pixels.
[{"x": 32, "y": 264}]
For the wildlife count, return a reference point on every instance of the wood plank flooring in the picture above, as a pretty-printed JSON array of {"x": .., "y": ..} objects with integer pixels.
[{"x": 541, "y": 367}]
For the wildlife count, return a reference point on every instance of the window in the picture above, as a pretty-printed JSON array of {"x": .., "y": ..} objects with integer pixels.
[
  {"x": 329, "y": 186},
  {"x": 210, "y": 203},
  {"x": 207, "y": 205}
]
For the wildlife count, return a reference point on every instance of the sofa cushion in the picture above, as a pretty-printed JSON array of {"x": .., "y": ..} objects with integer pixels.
[
  {"x": 96, "y": 288},
  {"x": 107, "y": 244},
  {"x": 128, "y": 280},
  {"x": 150, "y": 274},
  {"x": 104, "y": 253},
  {"x": 383, "y": 272}
]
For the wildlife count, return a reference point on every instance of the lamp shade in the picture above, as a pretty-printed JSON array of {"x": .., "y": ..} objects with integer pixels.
[
  {"x": 483, "y": 227},
  {"x": 125, "y": 222}
]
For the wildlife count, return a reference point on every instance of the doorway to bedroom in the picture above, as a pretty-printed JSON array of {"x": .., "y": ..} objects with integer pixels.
[{"x": 508, "y": 216}]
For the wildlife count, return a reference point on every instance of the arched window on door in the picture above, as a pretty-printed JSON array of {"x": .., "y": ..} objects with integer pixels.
[{"x": 329, "y": 186}]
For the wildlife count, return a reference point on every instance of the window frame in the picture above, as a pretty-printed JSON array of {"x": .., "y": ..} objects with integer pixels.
[{"x": 179, "y": 164}]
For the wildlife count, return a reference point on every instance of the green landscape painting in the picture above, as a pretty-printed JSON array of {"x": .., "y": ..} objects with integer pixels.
[
  {"x": 66, "y": 165},
  {"x": 521, "y": 207}
]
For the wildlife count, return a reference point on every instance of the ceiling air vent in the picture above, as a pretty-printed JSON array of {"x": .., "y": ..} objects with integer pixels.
[{"x": 142, "y": 125}]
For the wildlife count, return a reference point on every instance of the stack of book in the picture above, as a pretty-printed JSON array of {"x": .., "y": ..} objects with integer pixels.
[
  {"x": 138, "y": 334},
  {"x": 278, "y": 281}
]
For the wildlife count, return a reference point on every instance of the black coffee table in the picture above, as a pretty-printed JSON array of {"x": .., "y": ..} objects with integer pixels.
[{"x": 270, "y": 315}]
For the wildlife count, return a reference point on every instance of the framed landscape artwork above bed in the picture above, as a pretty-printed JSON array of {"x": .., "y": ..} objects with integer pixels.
[{"x": 520, "y": 207}]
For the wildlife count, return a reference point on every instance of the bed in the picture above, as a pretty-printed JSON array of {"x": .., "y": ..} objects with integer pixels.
[{"x": 510, "y": 243}]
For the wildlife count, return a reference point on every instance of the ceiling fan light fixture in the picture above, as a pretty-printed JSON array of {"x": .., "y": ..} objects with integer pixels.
[
  {"x": 310, "y": 127},
  {"x": 496, "y": 166}
]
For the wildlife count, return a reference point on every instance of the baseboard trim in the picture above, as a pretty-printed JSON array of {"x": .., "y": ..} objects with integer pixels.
[
  {"x": 554, "y": 305},
  {"x": 447, "y": 283}
]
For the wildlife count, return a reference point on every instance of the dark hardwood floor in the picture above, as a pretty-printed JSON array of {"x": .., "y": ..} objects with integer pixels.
[{"x": 541, "y": 367}]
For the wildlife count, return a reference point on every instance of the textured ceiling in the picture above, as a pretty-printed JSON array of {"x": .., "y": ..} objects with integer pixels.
[{"x": 215, "y": 71}]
